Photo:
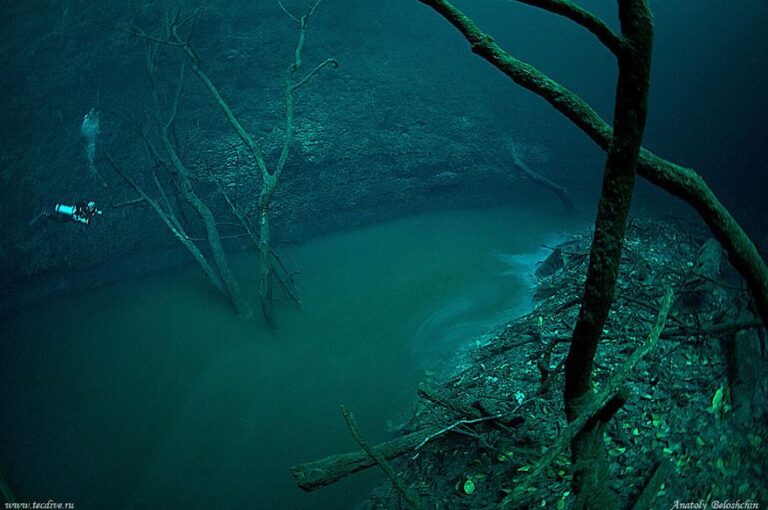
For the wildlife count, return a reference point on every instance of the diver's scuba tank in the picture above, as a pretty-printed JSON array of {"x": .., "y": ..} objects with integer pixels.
[{"x": 65, "y": 210}]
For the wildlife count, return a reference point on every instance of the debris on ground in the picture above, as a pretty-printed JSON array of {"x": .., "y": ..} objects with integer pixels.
[{"x": 692, "y": 429}]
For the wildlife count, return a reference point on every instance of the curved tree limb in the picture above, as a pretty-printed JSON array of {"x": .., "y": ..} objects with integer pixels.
[
  {"x": 174, "y": 226},
  {"x": 581, "y": 16},
  {"x": 289, "y": 13},
  {"x": 543, "y": 181},
  {"x": 681, "y": 182},
  {"x": 408, "y": 495},
  {"x": 328, "y": 61}
]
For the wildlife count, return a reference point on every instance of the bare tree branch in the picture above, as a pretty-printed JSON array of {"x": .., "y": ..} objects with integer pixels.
[
  {"x": 173, "y": 225},
  {"x": 408, "y": 495},
  {"x": 329, "y": 61},
  {"x": 543, "y": 181},
  {"x": 681, "y": 182},
  {"x": 269, "y": 179},
  {"x": 294, "y": 18},
  {"x": 586, "y": 19}
]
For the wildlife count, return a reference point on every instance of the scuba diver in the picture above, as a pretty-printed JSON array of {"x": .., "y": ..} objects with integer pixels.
[{"x": 81, "y": 212}]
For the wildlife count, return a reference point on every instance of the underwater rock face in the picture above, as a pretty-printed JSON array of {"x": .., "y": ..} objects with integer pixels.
[{"x": 378, "y": 138}]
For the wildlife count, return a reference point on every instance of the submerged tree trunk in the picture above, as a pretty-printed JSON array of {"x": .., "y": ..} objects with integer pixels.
[
  {"x": 174, "y": 226},
  {"x": 231, "y": 287},
  {"x": 265, "y": 281},
  {"x": 588, "y": 454},
  {"x": 269, "y": 178},
  {"x": 222, "y": 276}
]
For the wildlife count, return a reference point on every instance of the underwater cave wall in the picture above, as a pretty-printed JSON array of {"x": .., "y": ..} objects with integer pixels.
[
  {"x": 397, "y": 129},
  {"x": 411, "y": 121}
]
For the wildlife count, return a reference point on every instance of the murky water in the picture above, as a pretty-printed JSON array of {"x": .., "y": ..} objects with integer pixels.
[{"x": 152, "y": 394}]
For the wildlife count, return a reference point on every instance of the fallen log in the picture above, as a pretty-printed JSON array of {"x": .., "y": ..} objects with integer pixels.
[{"x": 310, "y": 476}]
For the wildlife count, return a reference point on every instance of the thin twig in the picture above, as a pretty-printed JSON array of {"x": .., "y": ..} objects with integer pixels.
[
  {"x": 586, "y": 19},
  {"x": 409, "y": 496},
  {"x": 459, "y": 423},
  {"x": 328, "y": 61},
  {"x": 135, "y": 201},
  {"x": 294, "y": 18}
]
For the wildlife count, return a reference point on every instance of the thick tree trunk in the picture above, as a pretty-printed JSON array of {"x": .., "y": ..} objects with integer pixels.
[
  {"x": 691, "y": 187},
  {"x": 268, "y": 187},
  {"x": 748, "y": 388},
  {"x": 590, "y": 466}
]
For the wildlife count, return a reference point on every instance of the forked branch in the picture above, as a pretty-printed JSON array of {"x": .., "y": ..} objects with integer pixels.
[
  {"x": 573, "y": 12},
  {"x": 681, "y": 182}
]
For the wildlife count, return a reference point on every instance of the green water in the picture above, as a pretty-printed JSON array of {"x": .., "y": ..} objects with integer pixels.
[{"x": 152, "y": 394}]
